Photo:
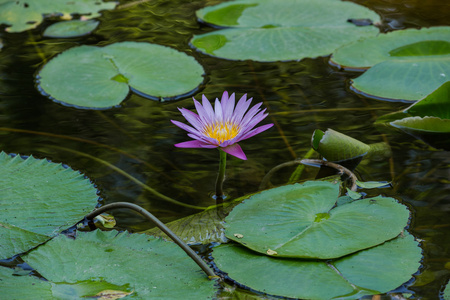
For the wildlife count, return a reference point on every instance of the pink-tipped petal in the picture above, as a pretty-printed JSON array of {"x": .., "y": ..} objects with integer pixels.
[
  {"x": 218, "y": 111},
  {"x": 192, "y": 118},
  {"x": 255, "y": 131},
  {"x": 241, "y": 108},
  {"x": 236, "y": 151},
  {"x": 227, "y": 106},
  {"x": 191, "y": 144},
  {"x": 208, "y": 107},
  {"x": 250, "y": 114},
  {"x": 185, "y": 127}
]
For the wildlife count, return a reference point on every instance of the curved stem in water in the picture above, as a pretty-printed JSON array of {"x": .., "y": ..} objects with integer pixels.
[{"x": 161, "y": 226}]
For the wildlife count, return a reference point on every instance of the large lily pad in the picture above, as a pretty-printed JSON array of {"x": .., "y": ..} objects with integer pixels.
[
  {"x": 404, "y": 65},
  {"x": 101, "y": 77},
  {"x": 373, "y": 271},
  {"x": 271, "y": 30},
  {"x": 39, "y": 199},
  {"x": 301, "y": 220},
  {"x": 22, "y": 15},
  {"x": 151, "y": 267}
]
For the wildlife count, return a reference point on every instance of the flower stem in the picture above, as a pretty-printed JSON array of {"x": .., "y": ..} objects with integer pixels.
[{"x": 221, "y": 176}]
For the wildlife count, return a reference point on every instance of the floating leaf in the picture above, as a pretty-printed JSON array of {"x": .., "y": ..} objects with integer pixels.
[
  {"x": 271, "y": 30},
  {"x": 39, "y": 199},
  {"x": 301, "y": 220},
  {"x": 372, "y": 184},
  {"x": 446, "y": 293},
  {"x": 427, "y": 119},
  {"x": 74, "y": 28},
  {"x": 405, "y": 64},
  {"x": 373, "y": 271},
  {"x": 407, "y": 79},
  {"x": 23, "y": 15},
  {"x": 368, "y": 52},
  {"x": 152, "y": 268},
  {"x": 101, "y": 77}
]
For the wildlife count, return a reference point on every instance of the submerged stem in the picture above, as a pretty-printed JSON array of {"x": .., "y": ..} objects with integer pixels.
[
  {"x": 161, "y": 226},
  {"x": 221, "y": 176}
]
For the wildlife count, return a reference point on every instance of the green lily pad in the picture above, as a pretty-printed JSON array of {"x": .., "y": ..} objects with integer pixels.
[
  {"x": 301, "y": 220},
  {"x": 74, "y": 28},
  {"x": 394, "y": 45},
  {"x": 406, "y": 79},
  {"x": 153, "y": 268},
  {"x": 427, "y": 119},
  {"x": 272, "y": 30},
  {"x": 102, "y": 77},
  {"x": 446, "y": 293},
  {"x": 38, "y": 200},
  {"x": 404, "y": 65},
  {"x": 31, "y": 287},
  {"x": 23, "y": 15},
  {"x": 373, "y": 271}
]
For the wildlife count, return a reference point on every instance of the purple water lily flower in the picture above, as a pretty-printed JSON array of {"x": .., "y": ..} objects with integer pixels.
[{"x": 224, "y": 126}]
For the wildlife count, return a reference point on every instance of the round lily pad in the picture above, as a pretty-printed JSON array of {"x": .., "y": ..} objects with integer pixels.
[
  {"x": 100, "y": 78},
  {"x": 38, "y": 200},
  {"x": 68, "y": 29},
  {"x": 301, "y": 220},
  {"x": 373, "y": 271},
  {"x": 272, "y": 30},
  {"x": 147, "y": 267}
]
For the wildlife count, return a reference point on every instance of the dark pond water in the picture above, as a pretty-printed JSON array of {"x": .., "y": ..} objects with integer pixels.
[{"x": 138, "y": 138}]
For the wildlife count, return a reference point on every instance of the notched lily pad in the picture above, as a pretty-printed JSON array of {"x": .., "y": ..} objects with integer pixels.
[
  {"x": 301, "y": 221},
  {"x": 273, "y": 30},
  {"x": 21, "y": 15},
  {"x": 101, "y": 78},
  {"x": 373, "y": 271},
  {"x": 39, "y": 199}
]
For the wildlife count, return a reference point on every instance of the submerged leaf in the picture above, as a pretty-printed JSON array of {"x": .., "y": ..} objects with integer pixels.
[
  {"x": 24, "y": 15},
  {"x": 68, "y": 29}
]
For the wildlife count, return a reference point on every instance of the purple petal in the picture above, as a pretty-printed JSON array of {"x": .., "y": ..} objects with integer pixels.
[
  {"x": 185, "y": 127},
  {"x": 208, "y": 107},
  {"x": 192, "y": 118},
  {"x": 255, "y": 120},
  {"x": 250, "y": 114},
  {"x": 204, "y": 139},
  {"x": 218, "y": 111},
  {"x": 192, "y": 144},
  {"x": 202, "y": 113},
  {"x": 227, "y": 106},
  {"x": 255, "y": 131},
  {"x": 236, "y": 151},
  {"x": 241, "y": 108}
]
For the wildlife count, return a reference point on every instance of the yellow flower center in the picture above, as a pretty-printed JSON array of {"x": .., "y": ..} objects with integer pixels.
[{"x": 221, "y": 131}]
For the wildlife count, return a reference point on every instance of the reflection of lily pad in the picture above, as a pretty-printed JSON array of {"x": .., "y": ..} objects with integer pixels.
[
  {"x": 150, "y": 267},
  {"x": 373, "y": 271},
  {"x": 404, "y": 65},
  {"x": 102, "y": 77},
  {"x": 271, "y": 30},
  {"x": 301, "y": 221},
  {"x": 23, "y": 15},
  {"x": 67, "y": 29},
  {"x": 38, "y": 199}
]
